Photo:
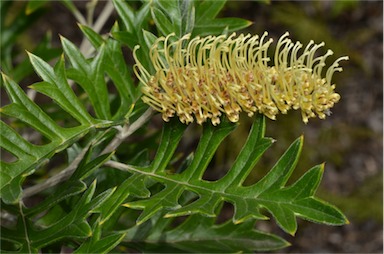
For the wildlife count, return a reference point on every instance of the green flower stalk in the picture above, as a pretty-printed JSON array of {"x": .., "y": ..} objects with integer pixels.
[{"x": 203, "y": 78}]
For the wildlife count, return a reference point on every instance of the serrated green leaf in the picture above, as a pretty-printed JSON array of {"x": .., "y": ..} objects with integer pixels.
[
  {"x": 27, "y": 111},
  {"x": 73, "y": 224},
  {"x": 30, "y": 156},
  {"x": 226, "y": 237},
  {"x": 281, "y": 171},
  {"x": 187, "y": 13},
  {"x": 86, "y": 167},
  {"x": 145, "y": 42},
  {"x": 126, "y": 38},
  {"x": 251, "y": 152},
  {"x": 270, "y": 192},
  {"x": 141, "y": 15},
  {"x": 319, "y": 211},
  {"x": 199, "y": 234},
  {"x": 34, "y": 238},
  {"x": 115, "y": 66},
  {"x": 99, "y": 200},
  {"x": 12, "y": 174},
  {"x": 206, "y": 204},
  {"x": 90, "y": 76},
  {"x": 56, "y": 86},
  {"x": 167, "y": 199},
  {"x": 117, "y": 70},
  {"x": 141, "y": 190},
  {"x": 94, "y": 38},
  {"x": 100, "y": 245},
  {"x": 208, "y": 144},
  {"x": 86, "y": 197},
  {"x": 307, "y": 185},
  {"x": 217, "y": 26},
  {"x": 134, "y": 23},
  {"x": 17, "y": 145},
  {"x": 299, "y": 199},
  {"x": 149, "y": 38},
  {"x": 80, "y": 229},
  {"x": 162, "y": 21},
  {"x": 170, "y": 138},
  {"x": 51, "y": 216},
  {"x": 134, "y": 186},
  {"x": 10, "y": 236},
  {"x": 207, "y": 10},
  {"x": 126, "y": 14},
  {"x": 173, "y": 16},
  {"x": 11, "y": 190},
  {"x": 63, "y": 192}
]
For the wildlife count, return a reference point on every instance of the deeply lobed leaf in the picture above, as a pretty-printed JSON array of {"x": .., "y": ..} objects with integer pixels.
[
  {"x": 200, "y": 234},
  {"x": 284, "y": 203},
  {"x": 184, "y": 192}
]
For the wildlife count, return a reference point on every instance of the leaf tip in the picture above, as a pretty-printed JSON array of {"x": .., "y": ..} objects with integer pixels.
[
  {"x": 140, "y": 221},
  {"x": 126, "y": 205},
  {"x": 32, "y": 57},
  {"x": 62, "y": 57},
  {"x": 322, "y": 167},
  {"x": 62, "y": 38},
  {"x": 93, "y": 184},
  {"x": 29, "y": 53},
  {"x": 4, "y": 77}
]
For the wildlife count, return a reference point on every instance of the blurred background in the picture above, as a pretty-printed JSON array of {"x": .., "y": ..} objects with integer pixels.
[{"x": 350, "y": 141}]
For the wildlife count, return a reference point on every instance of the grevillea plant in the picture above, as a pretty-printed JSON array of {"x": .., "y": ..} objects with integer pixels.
[
  {"x": 106, "y": 191},
  {"x": 214, "y": 75}
]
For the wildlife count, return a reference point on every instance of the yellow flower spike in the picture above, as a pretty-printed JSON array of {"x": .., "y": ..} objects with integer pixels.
[{"x": 203, "y": 78}]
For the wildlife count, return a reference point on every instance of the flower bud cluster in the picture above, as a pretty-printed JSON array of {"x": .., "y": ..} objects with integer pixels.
[{"x": 204, "y": 78}]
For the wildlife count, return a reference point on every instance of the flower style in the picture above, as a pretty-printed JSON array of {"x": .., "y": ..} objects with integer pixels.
[{"x": 203, "y": 78}]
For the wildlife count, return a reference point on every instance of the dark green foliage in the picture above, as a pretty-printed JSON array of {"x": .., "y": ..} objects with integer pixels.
[{"x": 104, "y": 201}]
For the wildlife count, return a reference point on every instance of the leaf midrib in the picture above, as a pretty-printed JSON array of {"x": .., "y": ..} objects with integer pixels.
[{"x": 192, "y": 186}]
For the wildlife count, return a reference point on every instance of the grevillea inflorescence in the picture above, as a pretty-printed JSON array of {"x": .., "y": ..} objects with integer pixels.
[{"x": 203, "y": 78}]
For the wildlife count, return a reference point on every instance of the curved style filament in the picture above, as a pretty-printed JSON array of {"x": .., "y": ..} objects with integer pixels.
[{"x": 204, "y": 78}]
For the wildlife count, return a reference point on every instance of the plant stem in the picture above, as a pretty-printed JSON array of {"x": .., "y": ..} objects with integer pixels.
[
  {"x": 103, "y": 17},
  {"x": 56, "y": 179},
  {"x": 85, "y": 46},
  {"x": 127, "y": 130},
  {"x": 119, "y": 166}
]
